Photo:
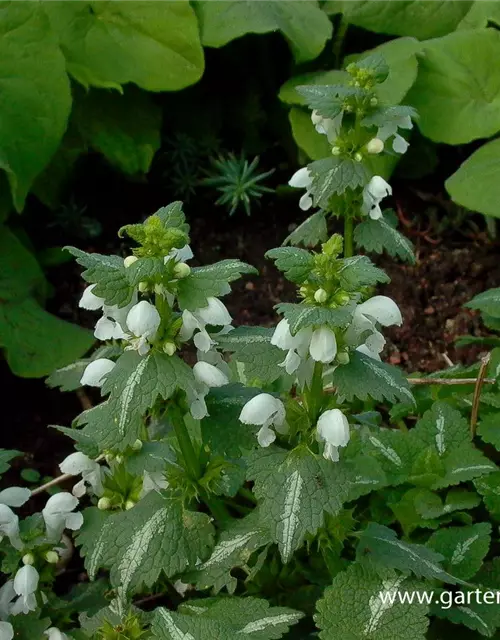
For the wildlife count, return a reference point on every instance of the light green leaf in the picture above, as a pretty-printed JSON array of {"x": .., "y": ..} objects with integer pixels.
[
  {"x": 481, "y": 14},
  {"x": 107, "y": 44},
  {"x": 383, "y": 547},
  {"x": 173, "y": 217},
  {"x": 289, "y": 95},
  {"x": 306, "y": 315},
  {"x": 489, "y": 488},
  {"x": 381, "y": 381},
  {"x": 334, "y": 175},
  {"x": 463, "y": 548},
  {"x": 406, "y": 18},
  {"x": 124, "y": 128},
  {"x": 249, "y": 617},
  {"x": 252, "y": 349},
  {"x": 212, "y": 280},
  {"x": 378, "y": 236},
  {"x": 358, "y": 272},
  {"x": 296, "y": 264},
  {"x": 303, "y": 24},
  {"x": 456, "y": 93},
  {"x": 474, "y": 185},
  {"x": 233, "y": 549},
  {"x": 311, "y": 232},
  {"x": 353, "y": 607},
  {"x": 294, "y": 490},
  {"x": 157, "y": 535},
  {"x": 35, "y": 95},
  {"x": 314, "y": 145}
]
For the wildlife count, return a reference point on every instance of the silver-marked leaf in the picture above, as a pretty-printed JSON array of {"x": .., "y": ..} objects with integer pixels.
[
  {"x": 463, "y": 548},
  {"x": 332, "y": 176},
  {"x": 489, "y": 488},
  {"x": 311, "y": 232}
]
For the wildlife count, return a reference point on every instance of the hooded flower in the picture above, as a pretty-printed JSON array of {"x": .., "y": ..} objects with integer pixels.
[
  {"x": 363, "y": 328},
  {"x": 215, "y": 314},
  {"x": 209, "y": 375},
  {"x": 25, "y": 585},
  {"x": 53, "y": 633},
  {"x": 112, "y": 323},
  {"x": 330, "y": 127},
  {"x": 7, "y": 594},
  {"x": 333, "y": 430},
  {"x": 374, "y": 192},
  {"x": 9, "y": 526},
  {"x": 58, "y": 515},
  {"x": 6, "y": 631},
  {"x": 183, "y": 254},
  {"x": 96, "y": 371},
  {"x": 297, "y": 345},
  {"x": 302, "y": 179},
  {"x": 399, "y": 144},
  {"x": 78, "y": 463},
  {"x": 143, "y": 321},
  {"x": 323, "y": 345},
  {"x": 14, "y": 496},
  {"x": 265, "y": 410}
]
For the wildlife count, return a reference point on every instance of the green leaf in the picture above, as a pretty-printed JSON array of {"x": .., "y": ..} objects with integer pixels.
[
  {"x": 407, "y": 18},
  {"x": 381, "y": 381},
  {"x": 328, "y": 100},
  {"x": 474, "y": 184},
  {"x": 383, "y": 547},
  {"x": 6, "y": 455},
  {"x": 124, "y": 128},
  {"x": 157, "y": 535},
  {"x": 108, "y": 44},
  {"x": 303, "y": 24},
  {"x": 109, "y": 274},
  {"x": 173, "y": 217},
  {"x": 83, "y": 443},
  {"x": 482, "y": 14},
  {"x": 463, "y": 548},
  {"x": 311, "y": 232},
  {"x": 28, "y": 627},
  {"x": 295, "y": 263},
  {"x": 289, "y": 94},
  {"x": 313, "y": 144},
  {"x": 456, "y": 93},
  {"x": 352, "y": 607},
  {"x": 489, "y": 488},
  {"x": 430, "y": 505},
  {"x": 294, "y": 490},
  {"x": 233, "y": 549},
  {"x": 35, "y": 90},
  {"x": 257, "y": 359},
  {"x": 489, "y": 429},
  {"x": 334, "y": 175},
  {"x": 225, "y": 619},
  {"x": 486, "y": 302},
  {"x": 378, "y": 236},
  {"x": 20, "y": 273},
  {"x": 212, "y": 280},
  {"x": 306, "y": 315},
  {"x": 358, "y": 272}
]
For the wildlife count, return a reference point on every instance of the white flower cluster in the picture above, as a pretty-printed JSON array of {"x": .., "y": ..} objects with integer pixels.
[{"x": 18, "y": 596}]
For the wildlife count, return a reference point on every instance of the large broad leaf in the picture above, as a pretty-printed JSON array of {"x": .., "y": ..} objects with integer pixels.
[
  {"x": 457, "y": 92},
  {"x": 487, "y": 302},
  {"x": 404, "y": 18},
  {"x": 463, "y": 548},
  {"x": 481, "y": 14},
  {"x": 303, "y": 23},
  {"x": 124, "y": 128},
  {"x": 155, "y": 45},
  {"x": 35, "y": 98},
  {"x": 475, "y": 184}
]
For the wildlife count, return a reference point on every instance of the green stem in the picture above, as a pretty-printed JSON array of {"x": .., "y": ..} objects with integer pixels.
[
  {"x": 248, "y": 495},
  {"x": 338, "y": 41},
  {"x": 348, "y": 236},
  {"x": 191, "y": 460},
  {"x": 313, "y": 396}
]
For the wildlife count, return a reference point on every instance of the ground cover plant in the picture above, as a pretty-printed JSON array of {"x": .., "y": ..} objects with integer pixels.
[{"x": 265, "y": 482}]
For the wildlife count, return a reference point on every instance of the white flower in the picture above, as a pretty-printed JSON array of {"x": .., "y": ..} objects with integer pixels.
[
  {"x": 96, "y": 371},
  {"x": 215, "y": 313},
  {"x": 382, "y": 309},
  {"x": 7, "y": 594},
  {"x": 110, "y": 325},
  {"x": 153, "y": 481},
  {"x": 6, "y": 631},
  {"x": 25, "y": 585},
  {"x": 143, "y": 321},
  {"x": 9, "y": 526},
  {"x": 374, "y": 192},
  {"x": 53, "y": 633},
  {"x": 181, "y": 587},
  {"x": 78, "y": 463},
  {"x": 302, "y": 179},
  {"x": 330, "y": 127},
  {"x": 399, "y": 144},
  {"x": 90, "y": 301},
  {"x": 297, "y": 345},
  {"x": 209, "y": 375},
  {"x": 323, "y": 346},
  {"x": 181, "y": 255},
  {"x": 58, "y": 515},
  {"x": 14, "y": 496},
  {"x": 375, "y": 146},
  {"x": 333, "y": 430},
  {"x": 379, "y": 309},
  {"x": 265, "y": 410}
]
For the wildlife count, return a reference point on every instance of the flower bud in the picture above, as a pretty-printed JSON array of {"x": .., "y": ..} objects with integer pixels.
[
  {"x": 28, "y": 558},
  {"x": 109, "y": 457},
  {"x": 130, "y": 504},
  {"x": 143, "y": 319},
  {"x": 143, "y": 287},
  {"x": 376, "y": 145},
  {"x": 343, "y": 357},
  {"x": 358, "y": 156},
  {"x": 137, "y": 446},
  {"x": 129, "y": 260},
  {"x": 104, "y": 504},
  {"x": 169, "y": 348},
  {"x": 336, "y": 151},
  {"x": 52, "y": 557},
  {"x": 320, "y": 295},
  {"x": 119, "y": 459},
  {"x": 374, "y": 101},
  {"x": 342, "y": 298},
  {"x": 182, "y": 270}
]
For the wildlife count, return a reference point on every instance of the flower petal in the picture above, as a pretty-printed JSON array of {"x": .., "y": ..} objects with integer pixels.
[
  {"x": 263, "y": 409},
  {"x": 301, "y": 179},
  {"x": 383, "y": 309},
  {"x": 323, "y": 347},
  {"x": 96, "y": 371},
  {"x": 215, "y": 313},
  {"x": 265, "y": 436},
  {"x": 208, "y": 374},
  {"x": 143, "y": 319},
  {"x": 90, "y": 301},
  {"x": 15, "y": 496}
]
